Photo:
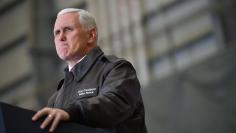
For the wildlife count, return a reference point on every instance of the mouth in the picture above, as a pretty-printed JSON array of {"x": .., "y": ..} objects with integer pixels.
[{"x": 63, "y": 45}]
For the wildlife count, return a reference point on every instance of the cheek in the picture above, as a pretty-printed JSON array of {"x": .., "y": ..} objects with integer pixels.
[
  {"x": 58, "y": 49},
  {"x": 75, "y": 44},
  {"x": 56, "y": 44}
]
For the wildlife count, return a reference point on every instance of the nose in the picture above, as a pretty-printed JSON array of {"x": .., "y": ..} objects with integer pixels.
[{"x": 62, "y": 36}]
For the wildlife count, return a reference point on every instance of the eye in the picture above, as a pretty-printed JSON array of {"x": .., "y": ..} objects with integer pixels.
[
  {"x": 56, "y": 32},
  {"x": 68, "y": 29}
]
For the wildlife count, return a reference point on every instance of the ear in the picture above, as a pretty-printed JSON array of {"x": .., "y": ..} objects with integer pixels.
[{"x": 92, "y": 35}]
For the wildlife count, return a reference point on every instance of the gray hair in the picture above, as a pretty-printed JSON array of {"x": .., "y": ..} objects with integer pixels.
[{"x": 86, "y": 19}]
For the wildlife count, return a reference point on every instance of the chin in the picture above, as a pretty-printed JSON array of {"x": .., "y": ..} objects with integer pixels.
[{"x": 63, "y": 57}]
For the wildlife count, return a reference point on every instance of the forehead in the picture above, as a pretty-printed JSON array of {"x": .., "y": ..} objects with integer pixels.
[{"x": 67, "y": 19}]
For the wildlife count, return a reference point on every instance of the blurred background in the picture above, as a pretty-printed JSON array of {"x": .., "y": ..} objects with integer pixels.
[{"x": 183, "y": 50}]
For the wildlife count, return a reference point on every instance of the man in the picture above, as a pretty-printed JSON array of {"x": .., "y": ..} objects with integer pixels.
[{"x": 99, "y": 91}]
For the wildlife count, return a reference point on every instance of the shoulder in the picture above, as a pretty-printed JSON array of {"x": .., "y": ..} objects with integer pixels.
[
  {"x": 114, "y": 60},
  {"x": 113, "y": 63}
]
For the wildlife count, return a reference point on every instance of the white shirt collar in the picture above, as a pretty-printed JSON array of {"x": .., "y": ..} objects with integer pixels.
[{"x": 70, "y": 67}]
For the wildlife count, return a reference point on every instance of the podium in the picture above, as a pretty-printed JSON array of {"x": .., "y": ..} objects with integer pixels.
[{"x": 18, "y": 120}]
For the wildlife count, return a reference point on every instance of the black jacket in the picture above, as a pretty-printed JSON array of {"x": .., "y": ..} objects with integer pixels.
[{"x": 102, "y": 92}]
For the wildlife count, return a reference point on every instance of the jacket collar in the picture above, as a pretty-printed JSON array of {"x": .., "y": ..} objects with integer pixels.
[{"x": 82, "y": 67}]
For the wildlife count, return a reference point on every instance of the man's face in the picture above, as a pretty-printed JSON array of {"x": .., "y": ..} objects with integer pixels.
[{"x": 69, "y": 37}]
